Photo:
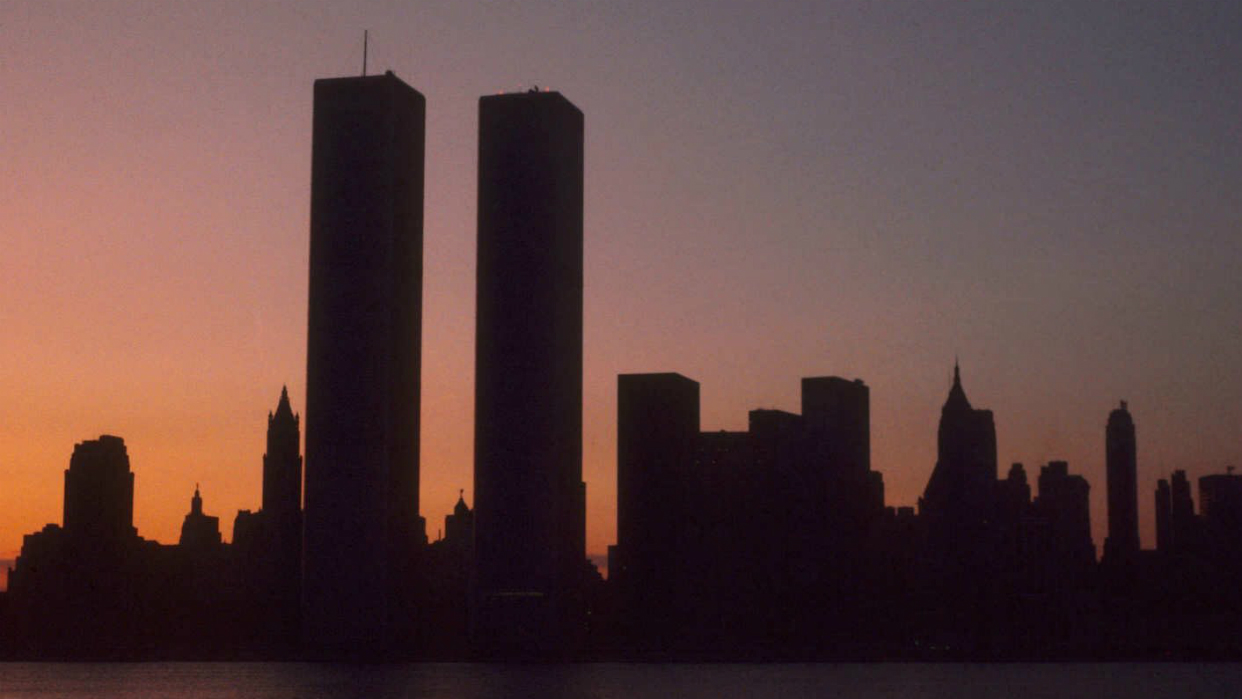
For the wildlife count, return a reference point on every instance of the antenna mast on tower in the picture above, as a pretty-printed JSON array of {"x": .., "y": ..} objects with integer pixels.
[{"x": 364, "y": 53}]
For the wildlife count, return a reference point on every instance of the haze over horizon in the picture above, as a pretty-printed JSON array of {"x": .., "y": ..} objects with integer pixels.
[{"x": 1047, "y": 191}]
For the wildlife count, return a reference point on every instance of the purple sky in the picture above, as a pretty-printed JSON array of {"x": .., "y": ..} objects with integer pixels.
[{"x": 774, "y": 190}]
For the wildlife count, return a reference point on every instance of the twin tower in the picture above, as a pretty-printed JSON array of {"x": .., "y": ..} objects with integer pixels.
[{"x": 362, "y": 528}]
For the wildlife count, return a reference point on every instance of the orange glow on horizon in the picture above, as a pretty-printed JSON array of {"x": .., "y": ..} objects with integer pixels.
[{"x": 745, "y": 226}]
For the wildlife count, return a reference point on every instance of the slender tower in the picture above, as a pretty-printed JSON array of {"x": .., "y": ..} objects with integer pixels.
[
  {"x": 282, "y": 464},
  {"x": 363, "y": 361},
  {"x": 1122, "y": 471},
  {"x": 281, "y": 517},
  {"x": 529, "y": 495}
]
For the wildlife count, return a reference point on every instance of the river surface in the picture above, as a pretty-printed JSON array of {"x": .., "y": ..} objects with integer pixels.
[{"x": 616, "y": 681}]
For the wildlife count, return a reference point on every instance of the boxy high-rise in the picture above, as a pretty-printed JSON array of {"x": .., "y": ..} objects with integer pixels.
[
  {"x": 529, "y": 495},
  {"x": 363, "y": 361},
  {"x": 1121, "y": 465}
]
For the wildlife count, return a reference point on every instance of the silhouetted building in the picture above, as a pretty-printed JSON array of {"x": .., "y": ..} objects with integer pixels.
[
  {"x": 1220, "y": 509},
  {"x": 1015, "y": 491},
  {"x": 267, "y": 545},
  {"x": 99, "y": 491},
  {"x": 1064, "y": 502},
  {"x": 362, "y": 526},
  {"x": 529, "y": 499},
  {"x": 198, "y": 530},
  {"x": 82, "y": 588},
  {"x": 1018, "y": 538},
  {"x": 837, "y": 423},
  {"x": 282, "y": 463},
  {"x": 756, "y": 539},
  {"x": 657, "y": 430},
  {"x": 1183, "y": 522},
  {"x": 1164, "y": 516},
  {"x": 1122, "y": 471},
  {"x": 446, "y": 564},
  {"x": 725, "y": 503},
  {"x": 459, "y": 525},
  {"x": 959, "y": 500}
]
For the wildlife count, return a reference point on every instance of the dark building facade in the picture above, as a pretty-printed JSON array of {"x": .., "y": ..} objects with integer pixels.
[
  {"x": 99, "y": 491},
  {"x": 1182, "y": 520},
  {"x": 1122, "y": 473},
  {"x": 763, "y": 538},
  {"x": 1064, "y": 504},
  {"x": 267, "y": 545},
  {"x": 79, "y": 586},
  {"x": 1164, "y": 516},
  {"x": 837, "y": 412},
  {"x": 363, "y": 361},
  {"x": 282, "y": 463},
  {"x": 199, "y": 530},
  {"x": 958, "y": 503},
  {"x": 1220, "y": 509},
  {"x": 529, "y": 500},
  {"x": 657, "y": 433},
  {"x": 837, "y": 422}
]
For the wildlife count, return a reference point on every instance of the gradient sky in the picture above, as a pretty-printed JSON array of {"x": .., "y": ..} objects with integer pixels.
[{"x": 1049, "y": 190}]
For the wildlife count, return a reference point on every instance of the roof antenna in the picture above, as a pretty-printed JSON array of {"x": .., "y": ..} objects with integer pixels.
[{"x": 364, "y": 53}]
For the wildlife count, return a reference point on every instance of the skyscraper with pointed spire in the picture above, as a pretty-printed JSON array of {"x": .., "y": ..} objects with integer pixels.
[
  {"x": 960, "y": 495},
  {"x": 282, "y": 464}
]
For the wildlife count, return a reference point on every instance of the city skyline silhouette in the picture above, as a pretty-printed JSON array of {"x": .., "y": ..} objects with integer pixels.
[{"x": 817, "y": 227}]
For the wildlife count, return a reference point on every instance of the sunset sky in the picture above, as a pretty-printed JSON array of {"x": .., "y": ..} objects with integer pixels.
[{"x": 1048, "y": 190}]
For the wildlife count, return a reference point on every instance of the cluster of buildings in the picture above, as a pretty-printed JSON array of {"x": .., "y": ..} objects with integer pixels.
[{"x": 775, "y": 542}]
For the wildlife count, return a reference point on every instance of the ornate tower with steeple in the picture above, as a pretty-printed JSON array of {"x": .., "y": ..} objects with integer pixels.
[{"x": 282, "y": 464}]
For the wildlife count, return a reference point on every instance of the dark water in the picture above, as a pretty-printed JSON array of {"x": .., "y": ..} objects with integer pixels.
[{"x": 608, "y": 681}]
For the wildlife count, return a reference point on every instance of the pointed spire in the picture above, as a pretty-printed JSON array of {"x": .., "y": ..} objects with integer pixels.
[
  {"x": 196, "y": 502},
  {"x": 957, "y": 395},
  {"x": 283, "y": 409}
]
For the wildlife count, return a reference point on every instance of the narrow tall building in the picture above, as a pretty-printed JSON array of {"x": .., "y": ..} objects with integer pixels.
[
  {"x": 657, "y": 437},
  {"x": 1182, "y": 520},
  {"x": 1122, "y": 474},
  {"x": 363, "y": 361},
  {"x": 1164, "y": 517},
  {"x": 529, "y": 503},
  {"x": 282, "y": 463}
]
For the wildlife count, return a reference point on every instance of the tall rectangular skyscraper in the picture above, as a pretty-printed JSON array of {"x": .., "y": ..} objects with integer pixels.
[
  {"x": 529, "y": 515},
  {"x": 1121, "y": 462},
  {"x": 363, "y": 360}
]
